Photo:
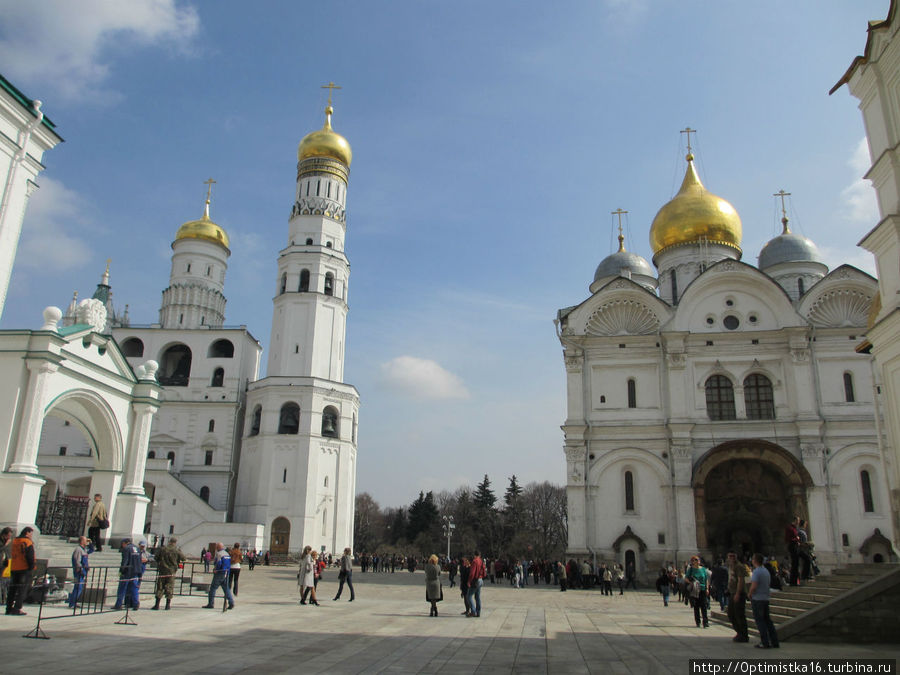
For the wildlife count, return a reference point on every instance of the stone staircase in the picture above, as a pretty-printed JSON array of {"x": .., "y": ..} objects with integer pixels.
[{"x": 796, "y": 610}]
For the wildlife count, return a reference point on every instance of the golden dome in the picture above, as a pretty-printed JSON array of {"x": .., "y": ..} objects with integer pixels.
[
  {"x": 203, "y": 228},
  {"x": 325, "y": 143},
  {"x": 695, "y": 215}
]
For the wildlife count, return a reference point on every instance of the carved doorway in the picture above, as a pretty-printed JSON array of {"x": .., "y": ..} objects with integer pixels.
[
  {"x": 745, "y": 493},
  {"x": 280, "y": 539}
]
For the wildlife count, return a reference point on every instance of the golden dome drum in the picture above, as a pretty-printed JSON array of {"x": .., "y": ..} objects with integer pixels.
[
  {"x": 203, "y": 229},
  {"x": 695, "y": 216},
  {"x": 325, "y": 143}
]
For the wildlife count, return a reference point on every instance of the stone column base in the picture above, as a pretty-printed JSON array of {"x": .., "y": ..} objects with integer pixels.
[
  {"x": 19, "y": 496},
  {"x": 129, "y": 516}
]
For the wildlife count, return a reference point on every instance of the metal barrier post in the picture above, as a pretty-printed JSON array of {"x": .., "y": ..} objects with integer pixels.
[{"x": 37, "y": 632}]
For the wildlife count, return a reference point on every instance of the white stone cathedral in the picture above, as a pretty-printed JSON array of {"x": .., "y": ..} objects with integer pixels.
[
  {"x": 711, "y": 400},
  {"x": 224, "y": 455}
]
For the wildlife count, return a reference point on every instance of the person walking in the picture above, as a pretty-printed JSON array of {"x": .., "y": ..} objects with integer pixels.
[
  {"x": 433, "y": 591},
  {"x": 80, "y": 567},
  {"x": 663, "y": 585},
  {"x": 5, "y": 554},
  {"x": 168, "y": 558},
  {"x": 98, "y": 521},
  {"x": 220, "y": 577},
  {"x": 561, "y": 575},
  {"x": 452, "y": 572},
  {"x": 477, "y": 573},
  {"x": 345, "y": 575},
  {"x": 309, "y": 572},
  {"x": 792, "y": 539},
  {"x": 22, "y": 564},
  {"x": 620, "y": 579},
  {"x": 235, "y": 573},
  {"x": 699, "y": 578},
  {"x": 760, "y": 581},
  {"x": 464, "y": 568},
  {"x": 129, "y": 573},
  {"x": 737, "y": 597}
]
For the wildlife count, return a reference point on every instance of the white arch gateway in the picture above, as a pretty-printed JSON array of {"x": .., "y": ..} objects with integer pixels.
[{"x": 80, "y": 375}]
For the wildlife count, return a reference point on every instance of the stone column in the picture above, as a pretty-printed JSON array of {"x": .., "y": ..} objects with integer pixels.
[
  {"x": 25, "y": 457},
  {"x": 131, "y": 503},
  {"x": 685, "y": 518}
]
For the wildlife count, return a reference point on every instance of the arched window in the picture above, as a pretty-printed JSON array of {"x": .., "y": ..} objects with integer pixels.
[
  {"x": 632, "y": 393},
  {"x": 304, "y": 281},
  {"x": 629, "y": 491},
  {"x": 289, "y": 419},
  {"x": 758, "y": 398},
  {"x": 221, "y": 349},
  {"x": 330, "y": 422},
  {"x": 719, "y": 398},
  {"x": 866, "y": 482},
  {"x": 849, "y": 396},
  {"x": 175, "y": 366},
  {"x": 801, "y": 289},
  {"x": 212, "y": 426},
  {"x": 329, "y": 284},
  {"x": 674, "y": 280},
  {"x": 309, "y": 239},
  {"x": 254, "y": 424},
  {"x": 204, "y": 494},
  {"x": 326, "y": 481},
  {"x": 218, "y": 377},
  {"x": 151, "y": 454},
  {"x": 283, "y": 284},
  {"x": 133, "y": 347},
  {"x": 324, "y": 522},
  {"x": 171, "y": 456}
]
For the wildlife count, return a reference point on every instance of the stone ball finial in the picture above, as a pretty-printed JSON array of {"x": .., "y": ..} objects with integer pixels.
[
  {"x": 52, "y": 315},
  {"x": 140, "y": 373},
  {"x": 150, "y": 368}
]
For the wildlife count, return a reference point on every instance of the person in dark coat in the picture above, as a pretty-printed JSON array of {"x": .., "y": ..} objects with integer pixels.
[
  {"x": 464, "y": 582},
  {"x": 433, "y": 593}
]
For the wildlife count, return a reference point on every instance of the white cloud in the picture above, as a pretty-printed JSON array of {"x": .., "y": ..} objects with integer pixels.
[
  {"x": 60, "y": 43},
  {"x": 836, "y": 256},
  {"x": 861, "y": 207},
  {"x": 47, "y": 239},
  {"x": 422, "y": 378}
]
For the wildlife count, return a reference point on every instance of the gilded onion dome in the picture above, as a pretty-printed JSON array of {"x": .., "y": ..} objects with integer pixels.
[
  {"x": 204, "y": 228},
  {"x": 325, "y": 143},
  {"x": 695, "y": 215}
]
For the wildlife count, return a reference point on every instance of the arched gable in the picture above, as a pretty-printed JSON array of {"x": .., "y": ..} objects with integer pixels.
[
  {"x": 623, "y": 456},
  {"x": 621, "y": 307},
  {"x": 94, "y": 416},
  {"x": 838, "y": 459},
  {"x": 730, "y": 288},
  {"x": 842, "y": 299}
]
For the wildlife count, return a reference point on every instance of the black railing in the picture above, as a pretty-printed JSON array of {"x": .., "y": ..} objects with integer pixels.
[{"x": 63, "y": 516}]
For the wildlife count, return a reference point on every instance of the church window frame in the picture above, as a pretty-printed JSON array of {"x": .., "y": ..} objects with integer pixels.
[
  {"x": 720, "y": 398},
  {"x": 307, "y": 188},
  {"x": 801, "y": 288},
  {"x": 255, "y": 421},
  {"x": 284, "y": 476},
  {"x": 221, "y": 349},
  {"x": 318, "y": 187},
  {"x": 328, "y": 189},
  {"x": 628, "y": 490},
  {"x": 289, "y": 419},
  {"x": 673, "y": 278},
  {"x": 218, "y": 378},
  {"x": 211, "y": 427},
  {"x": 283, "y": 284},
  {"x": 175, "y": 365},
  {"x": 632, "y": 392},
  {"x": 309, "y": 241},
  {"x": 204, "y": 493},
  {"x": 208, "y": 457},
  {"x": 303, "y": 287},
  {"x": 849, "y": 391},
  {"x": 325, "y": 482},
  {"x": 865, "y": 484},
  {"x": 150, "y": 454},
  {"x": 759, "y": 399}
]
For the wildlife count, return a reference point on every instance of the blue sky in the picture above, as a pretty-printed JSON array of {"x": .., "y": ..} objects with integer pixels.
[{"x": 490, "y": 141}]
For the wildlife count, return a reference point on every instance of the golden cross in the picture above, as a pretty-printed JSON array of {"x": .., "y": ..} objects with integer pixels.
[
  {"x": 782, "y": 194},
  {"x": 208, "y": 183},
  {"x": 688, "y": 131},
  {"x": 108, "y": 261},
  {"x": 331, "y": 86}
]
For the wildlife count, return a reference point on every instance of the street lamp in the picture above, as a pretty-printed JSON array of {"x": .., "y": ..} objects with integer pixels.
[{"x": 449, "y": 526}]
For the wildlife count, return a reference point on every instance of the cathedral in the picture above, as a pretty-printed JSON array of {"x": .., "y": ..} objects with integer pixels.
[
  {"x": 170, "y": 421},
  {"x": 711, "y": 400}
]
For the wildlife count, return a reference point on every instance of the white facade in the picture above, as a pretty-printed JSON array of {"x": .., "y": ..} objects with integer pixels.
[
  {"x": 25, "y": 135},
  {"x": 874, "y": 79},
  {"x": 705, "y": 417}
]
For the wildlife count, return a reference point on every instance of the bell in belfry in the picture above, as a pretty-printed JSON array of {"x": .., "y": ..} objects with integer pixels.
[{"x": 328, "y": 425}]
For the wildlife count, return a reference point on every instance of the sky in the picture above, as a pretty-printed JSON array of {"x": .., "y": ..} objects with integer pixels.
[{"x": 491, "y": 142}]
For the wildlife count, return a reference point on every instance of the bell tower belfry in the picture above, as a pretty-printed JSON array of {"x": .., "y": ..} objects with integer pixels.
[{"x": 298, "y": 459}]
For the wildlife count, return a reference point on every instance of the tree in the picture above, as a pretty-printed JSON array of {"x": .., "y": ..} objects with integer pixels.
[
  {"x": 513, "y": 491},
  {"x": 368, "y": 524},
  {"x": 423, "y": 517},
  {"x": 544, "y": 510},
  {"x": 484, "y": 497}
]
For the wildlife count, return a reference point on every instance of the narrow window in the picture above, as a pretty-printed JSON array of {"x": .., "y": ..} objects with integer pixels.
[
  {"x": 329, "y": 284},
  {"x": 629, "y": 491},
  {"x": 62, "y": 450},
  {"x": 283, "y": 283},
  {"x": 304, "y": 281},
  {"x": 307, "y": 188},
  {"x": 208, "y": 458},
  {"x": 719, "y": 398},
  {"x": 188, "y": 267},
  {"x": 150, "y": 455},
  {"x": 318, "y": 186},
  {"x": 328, "y": 190},
  {"x": 218, "y": 378},
  {"x": 845, "y": 539},
  {"x": 338, "y": 193},
  {"x": 674, "y": 280},
  {"x": 296, "y": 349},
  {"x": 181, "y": 318},
  {"x": 212, "y": 425},
  {"x": 800, "y": 289},
  {"x": 849, "y": 396},
  {"x": 324, "y": 521},
  {"x": 202, "y": 320},
  {"x": 284, "y": 476},
  {"x": 632, "y": 393},
  {"x": 758, "y": 398},
  {"x": 254, "y": 425},
  {"x": 326, "y": 481},
  {"x": 209, "y": 270},
  {"x": 171, "y": 529},
  {"x": 204, "y": 494},
  {"x": 868, "y": 502}
]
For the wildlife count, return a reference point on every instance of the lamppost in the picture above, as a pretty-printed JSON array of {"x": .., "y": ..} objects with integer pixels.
[{"x": 449, "y": 526}]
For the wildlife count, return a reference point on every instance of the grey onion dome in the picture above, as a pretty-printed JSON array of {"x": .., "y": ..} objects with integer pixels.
[
  {"x": 788, "y": 247},
  {"x": 612, "y": 265}
]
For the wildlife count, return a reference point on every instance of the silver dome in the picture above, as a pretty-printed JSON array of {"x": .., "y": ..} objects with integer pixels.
[
  {"x": 612, "y": 265},
  {"x": 788, "y": 247}
]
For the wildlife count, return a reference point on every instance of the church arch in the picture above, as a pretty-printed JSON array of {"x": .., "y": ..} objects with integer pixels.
[
  {"x": 719, "y": 398},
  {"x": 221, "y": 349},
  {"x": 133, "y": 347},
  {"x": 90, "y": 413},
  {"x": 330, "y": 422},
  {"x": 304, "y": 278},
  {"x": 204, "y": 493},
  {"x": 745, "y": 492},
  {"x": 280, "y": 537},
  {"x": 218, "y": 378},
  {"x": 759, "y": 401},
  {"x": 255, "y": 421},
  {"x": 289, "y": 419},
  {"x": 175, "y": 365}
]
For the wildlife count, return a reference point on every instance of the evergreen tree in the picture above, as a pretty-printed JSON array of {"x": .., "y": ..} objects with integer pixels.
[
  {"x": 484, "y": 497},
  {"x": 513, "y": 491},
  {"x": 423, "y": 516}
]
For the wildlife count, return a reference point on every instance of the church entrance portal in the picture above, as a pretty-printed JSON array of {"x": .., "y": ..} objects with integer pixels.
[
  {"x": 745, "y": 493},
  {"x": 281, "y": 535}
]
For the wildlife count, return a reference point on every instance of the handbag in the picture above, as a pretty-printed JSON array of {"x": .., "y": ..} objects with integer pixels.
[{"x": 103, "y": 524}]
